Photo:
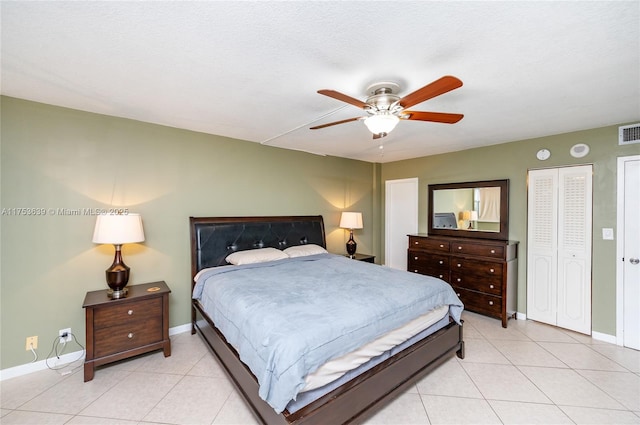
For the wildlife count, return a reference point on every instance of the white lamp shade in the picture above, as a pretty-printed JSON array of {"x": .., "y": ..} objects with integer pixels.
[
  {"x": 118, "y": 229},
  {"x": 474, "y": 216},
  {"x": 351, "y": 220},
  {"x": 381, "y": 122}
]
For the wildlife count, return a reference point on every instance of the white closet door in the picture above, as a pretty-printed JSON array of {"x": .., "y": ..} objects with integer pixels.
[
  {"x": 574, "y": 248},
  {"x": 542, "y": 263},
  {"x": 559, "y": 219}
]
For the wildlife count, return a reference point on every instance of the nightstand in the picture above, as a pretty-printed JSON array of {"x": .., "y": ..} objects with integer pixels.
[
  {"x": 125, "y": 327},
  {"x": 363, "y": 257}
]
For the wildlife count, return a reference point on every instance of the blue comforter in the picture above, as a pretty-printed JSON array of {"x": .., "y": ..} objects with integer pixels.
[{"x": 288, "y": 317}]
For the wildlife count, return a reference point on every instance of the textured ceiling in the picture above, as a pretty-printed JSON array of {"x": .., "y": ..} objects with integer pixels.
[{"x": 250, "y": 70}]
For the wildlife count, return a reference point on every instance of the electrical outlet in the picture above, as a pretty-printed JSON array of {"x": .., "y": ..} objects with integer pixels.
[
  {"x": 32, "y": 342},
  {"x": 62, "y": 332}
]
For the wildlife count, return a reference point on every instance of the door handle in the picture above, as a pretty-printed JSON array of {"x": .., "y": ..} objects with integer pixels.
[{"x": 634, "y": 261}]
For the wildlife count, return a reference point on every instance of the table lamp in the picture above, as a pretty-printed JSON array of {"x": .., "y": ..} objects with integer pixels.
[
  {"x": 351, "y": 220},
  {"x": 118, "y": 229}
]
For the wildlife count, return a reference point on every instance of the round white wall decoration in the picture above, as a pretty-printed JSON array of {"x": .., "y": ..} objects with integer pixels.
[{"x": 579, "y": 150}]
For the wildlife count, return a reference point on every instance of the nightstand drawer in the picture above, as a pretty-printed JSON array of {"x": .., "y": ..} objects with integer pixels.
[
  {"x": 127, "y": 313},
  {"x": 127, "y": 336}
]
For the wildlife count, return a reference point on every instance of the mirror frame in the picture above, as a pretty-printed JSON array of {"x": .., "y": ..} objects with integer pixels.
[{"x": 503, "y": 234}]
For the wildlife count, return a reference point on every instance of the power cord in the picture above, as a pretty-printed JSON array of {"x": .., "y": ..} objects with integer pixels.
[{"x": 59, "y": 351}]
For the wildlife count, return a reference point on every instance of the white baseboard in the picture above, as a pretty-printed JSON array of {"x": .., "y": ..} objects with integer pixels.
[
  {"x": 611, "y": 339},
  {"x": 64, "y": 359}
]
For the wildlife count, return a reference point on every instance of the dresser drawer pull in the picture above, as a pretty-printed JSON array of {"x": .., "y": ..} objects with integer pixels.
[
  {"x": 459, "y": 247},
  {"x": 415, "y": 271},
  {"x": 441, "y": 246},
  {"x": 492, "y": 271},
  {"x": 490, "y": 302},
  {"x": 416, "y": 243},
  {"x": 130, "y": 312},
  {"x": 441, "y": 262},
  {"x": 490, "y": 286},
  {"x": 440, "y": 276},
  {"x": 458, "y": 293},
  {"x": 459, "y": 265},
  {"x": 130, "y": 335},
  {"x": 493, "y": 251},
  {"x": 415, "y": 258},
  {"x": 459, "y": 280}
]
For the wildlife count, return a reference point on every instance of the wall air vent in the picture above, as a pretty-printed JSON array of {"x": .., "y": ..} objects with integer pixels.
[{"x": 628, "y": 134}]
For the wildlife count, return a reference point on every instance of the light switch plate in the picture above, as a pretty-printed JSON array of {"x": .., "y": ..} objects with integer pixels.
[{"x": 607, "y": 234}]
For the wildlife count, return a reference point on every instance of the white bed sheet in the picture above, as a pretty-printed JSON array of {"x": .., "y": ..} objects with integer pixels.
[{"x": 337, "y": 367}]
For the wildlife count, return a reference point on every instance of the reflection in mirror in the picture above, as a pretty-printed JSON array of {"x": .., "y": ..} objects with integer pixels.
[
  {"x": 472, "y": 207},
  {"x": 467, "y": 209}
]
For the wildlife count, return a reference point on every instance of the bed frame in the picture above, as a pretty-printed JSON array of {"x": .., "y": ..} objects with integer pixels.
[{"x": 213, "y": 238}]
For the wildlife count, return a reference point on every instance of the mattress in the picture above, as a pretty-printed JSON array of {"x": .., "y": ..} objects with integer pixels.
[{"x": 337, "y": 367}]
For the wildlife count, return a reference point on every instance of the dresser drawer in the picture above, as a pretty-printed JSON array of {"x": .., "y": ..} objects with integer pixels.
[
  {"x": 476, "y": 268},
  {"x": 490, "y": 285},
  {"x": 478, "y": 302},
  {"x": 430, "y": 244},
  {"x": 127, "y": 336},
  {"x": 493, "y": 251},
  {"x": 127, "y": 313}
]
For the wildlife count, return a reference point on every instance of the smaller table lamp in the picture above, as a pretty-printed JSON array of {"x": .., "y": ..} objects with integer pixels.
[
  {"x": 118, "y": 229},
  {"x": 351, "y": 220}
]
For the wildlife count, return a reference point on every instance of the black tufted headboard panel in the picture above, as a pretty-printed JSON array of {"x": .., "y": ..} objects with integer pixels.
[{"x": 213, "y": 238}]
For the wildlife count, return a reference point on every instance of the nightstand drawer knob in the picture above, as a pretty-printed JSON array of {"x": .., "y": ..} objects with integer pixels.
[
  {"x": 490, "y": 286},
  {"x": 490, "y": 302},
  {"x": 130, "y": 335},
  {"x": 130, "y": 312}
]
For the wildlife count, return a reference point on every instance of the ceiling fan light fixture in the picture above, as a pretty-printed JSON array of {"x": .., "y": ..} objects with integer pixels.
[{"x": 381, "y": 122}]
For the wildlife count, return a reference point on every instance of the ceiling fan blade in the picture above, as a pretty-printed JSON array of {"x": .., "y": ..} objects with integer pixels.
[
  {"x": 343, "y": 97},
  {"x": 335, "y": 123},
  {"x": 432, "y": 116},
  {"x": 436, "y": 88}
]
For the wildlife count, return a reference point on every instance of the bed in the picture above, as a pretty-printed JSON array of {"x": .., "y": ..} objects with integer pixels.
[{"x": 351, "y": 395}]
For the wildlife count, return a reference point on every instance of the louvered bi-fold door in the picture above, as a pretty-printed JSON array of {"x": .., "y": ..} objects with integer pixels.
[{"x": 559, "y": 247}]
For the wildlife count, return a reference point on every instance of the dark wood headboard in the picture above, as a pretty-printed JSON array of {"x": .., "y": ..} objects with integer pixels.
[{"x": 214, "y": 238}]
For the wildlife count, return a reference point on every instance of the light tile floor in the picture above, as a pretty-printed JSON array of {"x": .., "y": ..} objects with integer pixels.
[{"x": 529, "y": 373}]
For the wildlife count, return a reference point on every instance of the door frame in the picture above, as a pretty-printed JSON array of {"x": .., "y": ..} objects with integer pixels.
[
  {"x": 620, "y": 247},
  {"x": 388, "y": 228}
]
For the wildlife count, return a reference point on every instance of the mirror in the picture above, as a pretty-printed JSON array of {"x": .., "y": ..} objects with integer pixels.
[{"x": 470, "y": 209}]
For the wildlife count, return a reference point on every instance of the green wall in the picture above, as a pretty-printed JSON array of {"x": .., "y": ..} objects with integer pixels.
[
  {"x": 512, "y": 161},
  {"x": 59, "y": 158},
  {"x": 63, "y": 159}
]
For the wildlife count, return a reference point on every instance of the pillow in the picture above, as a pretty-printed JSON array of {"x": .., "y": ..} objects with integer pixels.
[
  {"x": 303, "y": 250},
  {"x": 255, "y": 256}
]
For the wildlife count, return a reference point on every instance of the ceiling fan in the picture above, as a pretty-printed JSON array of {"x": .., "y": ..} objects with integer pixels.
[{"x": 385, "y": 108}]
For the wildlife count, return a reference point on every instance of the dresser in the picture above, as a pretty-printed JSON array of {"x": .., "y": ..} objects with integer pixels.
[
  {"x": 482, "y": 272},
  {"x": 117, "y": 329}
]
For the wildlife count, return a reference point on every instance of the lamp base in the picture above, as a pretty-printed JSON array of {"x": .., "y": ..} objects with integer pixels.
[
  {"x": 117, "y": 276},
  {"x": 351, "y": 245},
  {"x": 117, "y": 294}
]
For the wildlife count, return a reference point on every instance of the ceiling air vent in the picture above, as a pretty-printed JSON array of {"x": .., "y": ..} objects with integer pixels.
[{"x": 628, "y": 134}]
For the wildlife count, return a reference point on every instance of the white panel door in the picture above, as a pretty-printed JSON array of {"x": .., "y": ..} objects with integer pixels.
[
  {"x": 559, "y": 219},
  {"x": 542, "y": 263},
  {"x": 629, "y": 242},
  {"x": 574, "y": 248},
  {"x": 401, "y": 219}
]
